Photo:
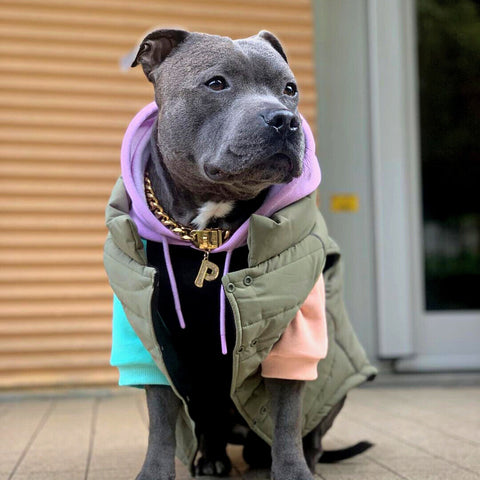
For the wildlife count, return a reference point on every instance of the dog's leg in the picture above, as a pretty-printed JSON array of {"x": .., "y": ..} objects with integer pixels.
[
  {"x": 213, "y": 427},
  {"x": 163, "y": 408},
  {"x": 214, "y": 460},
  {"x": 312, "y": 443},
  {"x": 288, "y": 461}
]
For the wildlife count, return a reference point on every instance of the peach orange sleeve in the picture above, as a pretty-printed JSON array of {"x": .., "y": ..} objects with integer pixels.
[{"x": 296, "y": 355}]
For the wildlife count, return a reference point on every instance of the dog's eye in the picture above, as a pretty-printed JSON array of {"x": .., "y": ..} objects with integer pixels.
[
  {"x": 290, "y": 89},
  {"x": 217, "y": 83}
]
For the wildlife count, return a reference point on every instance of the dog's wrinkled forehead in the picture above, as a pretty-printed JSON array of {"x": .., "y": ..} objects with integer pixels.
[
  {"x": 244, "y": 60},
  {"x": 183, "y": 61}
]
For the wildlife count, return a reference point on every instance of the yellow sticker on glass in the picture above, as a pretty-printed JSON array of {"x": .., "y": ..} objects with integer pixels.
[{"x": 344, "y": 202}]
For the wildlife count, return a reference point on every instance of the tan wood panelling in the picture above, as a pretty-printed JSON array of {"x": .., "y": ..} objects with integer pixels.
[{"x": 64, "y": 106}]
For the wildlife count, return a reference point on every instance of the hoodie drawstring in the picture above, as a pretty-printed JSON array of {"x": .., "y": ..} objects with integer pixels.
[
  {"x": 223, "y": 335},
  {"x": 173, "y": 283},
  {"x": 176, "y": 297}
]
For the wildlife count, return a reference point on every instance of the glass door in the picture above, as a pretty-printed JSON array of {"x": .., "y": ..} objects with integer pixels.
[
  {"x": 448, "y": 325},
  {"x": 449, "y": 73}
]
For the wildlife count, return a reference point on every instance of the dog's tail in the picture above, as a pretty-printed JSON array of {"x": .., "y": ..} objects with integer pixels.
[{"x": 334, "y": 456}]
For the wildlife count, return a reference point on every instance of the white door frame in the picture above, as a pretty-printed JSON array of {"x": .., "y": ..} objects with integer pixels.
[{"x": 394, "y": 150}]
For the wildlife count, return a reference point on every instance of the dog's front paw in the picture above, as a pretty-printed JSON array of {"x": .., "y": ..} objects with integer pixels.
[
  {"x": 215, "y": 467},
  {"x": 291, "y": 472},
  {"x": 155, "y": 473}
]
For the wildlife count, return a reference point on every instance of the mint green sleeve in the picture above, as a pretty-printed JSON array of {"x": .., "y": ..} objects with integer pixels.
[{"x": 135, "y": 364}]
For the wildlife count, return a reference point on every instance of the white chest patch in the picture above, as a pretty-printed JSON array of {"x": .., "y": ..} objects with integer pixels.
[{"x": 211, "y": 210}]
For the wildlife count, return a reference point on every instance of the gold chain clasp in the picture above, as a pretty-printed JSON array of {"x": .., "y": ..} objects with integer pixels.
[{"x": 207, "y": 239}]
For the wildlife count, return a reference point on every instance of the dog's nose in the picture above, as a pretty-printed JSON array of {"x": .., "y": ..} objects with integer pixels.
[{"x": 283, "y": 121}]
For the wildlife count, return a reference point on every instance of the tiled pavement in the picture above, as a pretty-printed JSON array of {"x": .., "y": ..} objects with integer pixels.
[{"x": 420, "y": 433}]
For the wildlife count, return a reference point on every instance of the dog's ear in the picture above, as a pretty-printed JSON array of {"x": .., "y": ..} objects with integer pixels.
[
  {"x": 273, "y": 41},
  {"x": 155, "y": 47}
]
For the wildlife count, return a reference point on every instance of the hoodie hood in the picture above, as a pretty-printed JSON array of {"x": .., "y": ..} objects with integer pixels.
[{"x": 136, "y": 153}]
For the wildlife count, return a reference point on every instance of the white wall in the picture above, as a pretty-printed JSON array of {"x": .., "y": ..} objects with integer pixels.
[
  {"x": 367, "y": 146},
  {"x": 343, "y": 148}
]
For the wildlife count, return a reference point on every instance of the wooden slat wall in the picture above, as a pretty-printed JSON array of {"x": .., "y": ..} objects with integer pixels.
[{"x": 64, "y": 106}]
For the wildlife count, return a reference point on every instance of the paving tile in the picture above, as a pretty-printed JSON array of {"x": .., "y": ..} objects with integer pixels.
[
  {"x": 461, "y": 402},
  {"x": 58, "y": 475},
  {"x": 419, "y": 434},
  {"x": 363, "y": 467},
  {"x": 19, "y": 422},
  {"x": 390, "y": 443},
  {"x": 378, "y": 462},
  {"x": 4, "y": 407},
  {"x": 439, "y": 418},
  {"x": 119, "y": 458},
  {"x": 70, "y": 419},
  {"x": 8, "y": 460},
  {"x": 120, "y": 441},
  {"x": 426, "y": 467},
  {"x": 360, "y": 467},
  {"x": 346, "y": 432},
  {"x": 63, "y": 443},
  {"x": 142, "y": 408},
  {"x": 385, "y": 475},
  {"x": 18, "y": 427},
  {"x": 452, "y": 450}
]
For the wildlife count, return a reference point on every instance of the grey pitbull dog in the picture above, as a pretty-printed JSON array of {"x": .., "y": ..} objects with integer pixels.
[{"x": 228, "y": 128}]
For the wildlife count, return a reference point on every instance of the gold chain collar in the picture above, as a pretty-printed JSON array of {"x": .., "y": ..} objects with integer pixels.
[{"x": 206, "y": 240}]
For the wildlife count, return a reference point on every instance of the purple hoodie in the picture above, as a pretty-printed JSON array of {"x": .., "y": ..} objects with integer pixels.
[{"x": 134, "y": 157}]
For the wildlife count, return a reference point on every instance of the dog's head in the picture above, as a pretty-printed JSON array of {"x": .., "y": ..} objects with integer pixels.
[{"x": 227, "y": 109}]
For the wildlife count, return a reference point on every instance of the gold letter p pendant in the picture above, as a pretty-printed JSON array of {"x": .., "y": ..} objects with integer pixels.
[{"x": 208, "y": 271}]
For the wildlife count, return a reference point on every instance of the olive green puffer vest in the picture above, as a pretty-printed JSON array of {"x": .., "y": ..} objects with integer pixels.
[{"x": 293, "y": 244}]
